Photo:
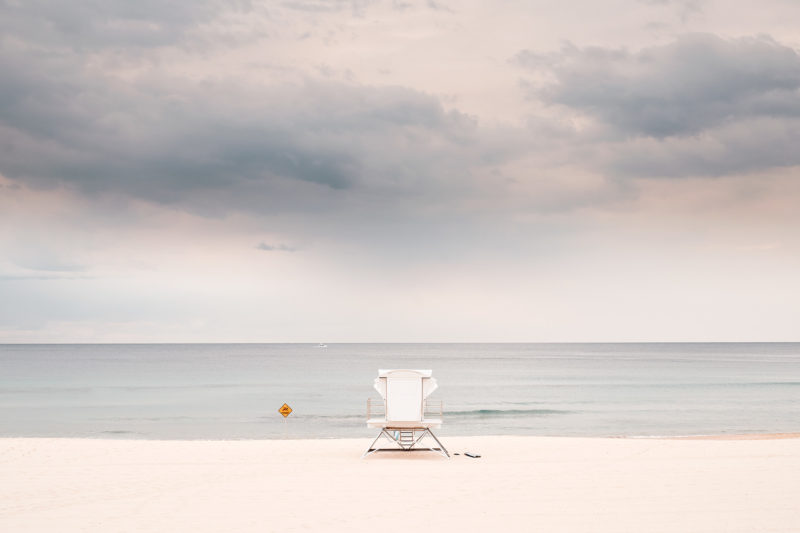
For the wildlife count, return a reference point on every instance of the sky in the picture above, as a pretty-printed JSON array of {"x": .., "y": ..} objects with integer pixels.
[{"x": 399, "y": 171}]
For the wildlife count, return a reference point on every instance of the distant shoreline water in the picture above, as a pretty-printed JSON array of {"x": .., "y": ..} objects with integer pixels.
[{"x": 233, "y": 391}]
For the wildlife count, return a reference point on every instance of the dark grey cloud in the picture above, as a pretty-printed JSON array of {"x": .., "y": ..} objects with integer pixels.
[
  {"x": 699, "y": 106},
  {"x": 695, "y": 83},
  {"x": 169, "y": 140},
  {"x": 743, "y": 147}
]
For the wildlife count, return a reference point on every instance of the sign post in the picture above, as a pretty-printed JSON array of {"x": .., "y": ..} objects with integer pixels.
[{"x": 285, "y": 410}]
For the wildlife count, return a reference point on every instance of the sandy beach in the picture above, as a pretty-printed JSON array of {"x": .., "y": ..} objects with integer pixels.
[{"x": 518, "y": 484}]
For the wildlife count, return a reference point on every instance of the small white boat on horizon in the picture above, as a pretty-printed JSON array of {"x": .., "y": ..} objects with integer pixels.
[{"x": 320, "y": 345}]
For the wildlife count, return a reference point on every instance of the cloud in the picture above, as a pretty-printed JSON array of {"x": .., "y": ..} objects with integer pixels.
[
  {"x": 685, "y": 8},
  {"x": 73, "y": 117},
  {"x": 699, "y": 106},
  {"x": 112, "y": 23},
  {"x": 32, "y": 261},
  {"x": 275, "y": 247},
  {"x": 739, "y": 148},
  {"x": 177, "y": 141},
  {"x": 694, "y": 83},
  {"x": 21, "y": 277},
  {"x": 303, "y": 159},
  {"x": 357, "y": 7}
]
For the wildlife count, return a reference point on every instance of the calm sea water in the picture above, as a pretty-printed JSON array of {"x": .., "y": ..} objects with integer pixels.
[{"x": 233, "y": 391}]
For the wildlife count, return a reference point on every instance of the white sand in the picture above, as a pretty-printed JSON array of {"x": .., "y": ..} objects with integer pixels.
[{"x": 520, "y": 484}]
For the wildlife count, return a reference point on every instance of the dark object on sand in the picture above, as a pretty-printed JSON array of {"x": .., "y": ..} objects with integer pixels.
[{"x": 473, "y": 455}]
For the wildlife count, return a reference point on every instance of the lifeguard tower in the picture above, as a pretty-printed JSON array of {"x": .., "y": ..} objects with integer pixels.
[{"x": 405, "y": 415}]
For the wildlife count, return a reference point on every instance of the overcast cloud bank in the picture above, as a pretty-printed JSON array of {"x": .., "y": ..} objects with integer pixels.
[{"x": 440, "y": 156}]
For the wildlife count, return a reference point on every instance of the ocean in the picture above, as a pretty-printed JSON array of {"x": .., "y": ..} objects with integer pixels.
[{"x": 234, "y": 391}]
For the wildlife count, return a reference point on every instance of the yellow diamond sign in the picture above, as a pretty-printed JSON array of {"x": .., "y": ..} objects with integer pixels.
[{"x": 285, "y": 410}]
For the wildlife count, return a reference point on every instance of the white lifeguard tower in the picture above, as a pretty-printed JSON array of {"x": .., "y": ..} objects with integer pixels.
[{"x": 405, "y": 415}]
